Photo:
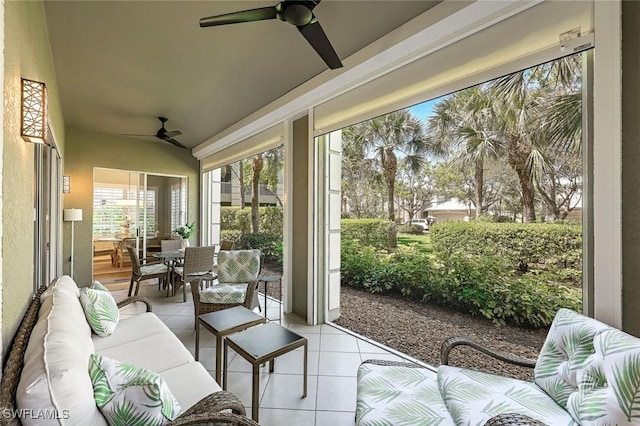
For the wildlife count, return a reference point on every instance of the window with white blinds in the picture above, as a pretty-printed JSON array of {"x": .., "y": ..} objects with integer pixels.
[
  {"x": 178, "y": 206},
  {"x": 111, "y": 215}
]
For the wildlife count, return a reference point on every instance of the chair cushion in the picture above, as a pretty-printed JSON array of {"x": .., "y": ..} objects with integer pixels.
[
  {"x": 473, "y": 397},
  {"x": 609, "y": 387},
  {"x": 238, "y": 266},
  {"x": 567, "y": 352},
  {"x": 101, "y": 310},
  {"x": 126, "y": 394},
  {"x": 154, "y": 268},
  {"x": 396, "y": 395},
  {"x": 224, "y": 293}
]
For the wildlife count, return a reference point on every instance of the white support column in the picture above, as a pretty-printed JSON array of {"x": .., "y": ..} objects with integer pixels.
[
  {"x": 607, "y": 168},
  {"x": 332, "y": 230}
]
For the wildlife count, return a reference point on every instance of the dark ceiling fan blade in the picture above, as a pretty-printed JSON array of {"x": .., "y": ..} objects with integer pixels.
[
  {"x": 316, "y": 37},
  {"x": 174, "y": 142},
  {"x": 259, "y": 14},
  {"x": 172, "y": 133},
  {"x": 134, "y": 135}
]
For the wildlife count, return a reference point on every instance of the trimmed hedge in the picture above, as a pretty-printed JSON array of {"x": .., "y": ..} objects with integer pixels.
[
  {"x": 525, "y": 245},
  {"x": 481, "y": 285},
  {"x": 233, "y": 218},
  {"x": 376, "y": 233}
]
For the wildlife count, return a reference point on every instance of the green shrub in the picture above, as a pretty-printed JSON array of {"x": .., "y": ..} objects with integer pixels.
[
  {"x": 409, "y": 229},
  {"x": 243, "y": 220},
  {"x": 234, "y": 218},
  {"x": 377, "y": 233},
  {"x": 271, "y": 220},
  {"x": 270, "y": 245},
  {"x": 525, "y": 245},
  {"x": 480, "y": 285},
  {"x": 230, "y": 235}
]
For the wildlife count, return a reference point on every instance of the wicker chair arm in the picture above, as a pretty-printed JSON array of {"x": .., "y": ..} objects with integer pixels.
[
  {"x": 391, "y": 363},
  {"x": 215, "y": 408},
  {"x": 133, "y": 299},
  {"x": 513, "y": 419},
  {"x": 216, "y": 401},
  {"x": 212, "y": 419},
  {"x": 452, "y": 342}
]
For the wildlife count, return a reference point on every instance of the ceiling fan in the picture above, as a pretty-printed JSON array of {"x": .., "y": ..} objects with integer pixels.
[
  {"x": 298, "y": 13},
  {"x": 165, "y": 135}
]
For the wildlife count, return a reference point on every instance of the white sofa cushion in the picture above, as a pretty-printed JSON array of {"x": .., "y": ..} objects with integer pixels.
[
  {"x": 189, "y": 383},
  {"x": 55, "y": 377},
  {"x": 396, "y": 395},
  {"x": 129, "y": 330},
  {"x": 158, "y": 352},
  {"x": 64, "y": 283},
  {"x": 473, "y": 397}
]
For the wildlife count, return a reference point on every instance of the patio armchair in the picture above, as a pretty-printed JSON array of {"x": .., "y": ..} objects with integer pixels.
[
  {"x": 238, "y": 272},
  {"x": 197, "y": 267},
  {"x": 586, "y": 373},
  {"x": 145, "y": 271}
]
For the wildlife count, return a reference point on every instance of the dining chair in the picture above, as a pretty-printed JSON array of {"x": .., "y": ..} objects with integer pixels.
[
  {"x": 238, "y": 272},
  {"x": 170, "y": 245},
  {"x": 121, "y": 251},
  {"x": 196, "y": 267},
  {"x": 145, "y": 271}
]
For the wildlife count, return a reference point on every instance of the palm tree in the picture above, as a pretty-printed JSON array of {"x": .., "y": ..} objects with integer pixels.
[
  {"x": 538, "y": 113},
  {"x": 524, "y": 117},
  {"x": 462, "y": 126},
  {"x": 383, "y": 139},
  {"x": 271, "y": 163}
]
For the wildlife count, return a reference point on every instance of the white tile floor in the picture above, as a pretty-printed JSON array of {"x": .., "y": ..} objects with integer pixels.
[{"x": 333, "y": 360}]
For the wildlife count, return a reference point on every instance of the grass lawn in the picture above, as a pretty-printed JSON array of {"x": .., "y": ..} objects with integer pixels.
[{"x": 423, "y": 241}]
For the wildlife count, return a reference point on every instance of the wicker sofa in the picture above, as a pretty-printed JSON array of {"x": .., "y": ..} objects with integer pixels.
[
  {"x": 587, "y": 373},
  {"x": 46, "y": 378}
]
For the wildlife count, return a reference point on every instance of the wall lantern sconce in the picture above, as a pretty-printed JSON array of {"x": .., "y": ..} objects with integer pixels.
[
  {"x": 33, "y": 125},
  {"x": 66, "y": 184}
]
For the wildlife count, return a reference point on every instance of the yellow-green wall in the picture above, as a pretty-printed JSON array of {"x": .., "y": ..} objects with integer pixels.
[
  {"x": 86, "y": 150},
  {"x": 27, "y": 55}
]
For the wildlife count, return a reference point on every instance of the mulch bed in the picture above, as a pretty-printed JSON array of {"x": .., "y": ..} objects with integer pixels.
[{"x": 418, "y": 329}]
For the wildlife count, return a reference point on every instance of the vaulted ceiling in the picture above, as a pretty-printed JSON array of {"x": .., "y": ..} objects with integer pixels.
[{"x": 121, "y": 64}]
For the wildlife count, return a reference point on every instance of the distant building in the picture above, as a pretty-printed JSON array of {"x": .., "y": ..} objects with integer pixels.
[{"x": 449, "y": 210}]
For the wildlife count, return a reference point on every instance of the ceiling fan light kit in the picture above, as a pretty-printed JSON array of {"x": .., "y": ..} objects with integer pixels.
[{"x": 298, "y": 13}]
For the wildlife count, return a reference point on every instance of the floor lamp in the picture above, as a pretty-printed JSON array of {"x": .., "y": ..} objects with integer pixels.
[{"x": 72, "y": 215}]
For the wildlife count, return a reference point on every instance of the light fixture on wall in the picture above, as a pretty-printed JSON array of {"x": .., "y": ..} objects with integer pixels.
[
  {"x": 66, "y": 184},
  {"x": 33, "y": 124},
  {"x": 72, "y": 215}
]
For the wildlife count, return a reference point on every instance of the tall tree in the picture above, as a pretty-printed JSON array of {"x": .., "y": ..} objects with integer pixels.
[
  {"x": 269, "y": 162},
  {"x": 385, "y": 138},
  {"x": 462, "y": 126}
]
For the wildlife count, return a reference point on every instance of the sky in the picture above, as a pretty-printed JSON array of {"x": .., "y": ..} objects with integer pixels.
[{"x": 424, "y": 110}]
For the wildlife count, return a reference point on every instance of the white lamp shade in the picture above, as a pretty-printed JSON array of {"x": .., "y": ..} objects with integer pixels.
[{"x": 72, "y": 215}]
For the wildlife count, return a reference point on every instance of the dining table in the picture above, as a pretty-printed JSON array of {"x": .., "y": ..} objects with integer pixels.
[{"x": 170, "y": 258}]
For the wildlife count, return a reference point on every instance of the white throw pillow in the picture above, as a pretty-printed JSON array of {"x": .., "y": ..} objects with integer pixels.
[
  {"x": 101, "y": 311},
  {"x": 127, "y": 395}
]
